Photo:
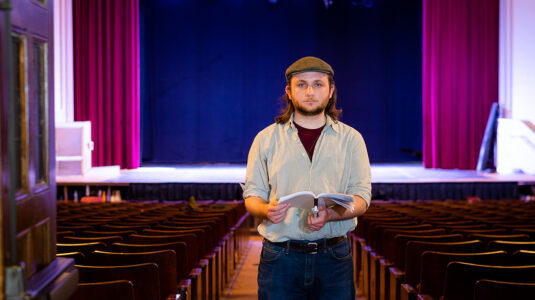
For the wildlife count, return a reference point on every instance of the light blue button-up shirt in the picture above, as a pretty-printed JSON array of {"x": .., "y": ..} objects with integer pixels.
[{"x": 278, "y": 165}]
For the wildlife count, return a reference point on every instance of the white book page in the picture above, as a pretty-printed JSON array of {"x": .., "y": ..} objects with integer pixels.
[
  {"x": 337, "y": 198},
  {"x": 305, "y": 199},
  {"x": 302, "y": 199}
]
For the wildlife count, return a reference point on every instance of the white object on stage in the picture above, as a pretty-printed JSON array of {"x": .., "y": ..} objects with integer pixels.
[{"x": 73, "y": 148}]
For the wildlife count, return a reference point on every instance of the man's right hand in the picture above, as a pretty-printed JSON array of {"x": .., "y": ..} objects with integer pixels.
[
  {"x": 277, "y": 212},
  {"x": 273, "y": 211}
]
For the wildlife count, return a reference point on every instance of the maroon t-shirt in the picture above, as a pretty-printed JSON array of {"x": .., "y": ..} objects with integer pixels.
[{"x": 309, "y": 137}]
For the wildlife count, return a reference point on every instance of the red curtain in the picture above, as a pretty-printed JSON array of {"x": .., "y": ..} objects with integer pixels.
[
  {"x": 106, "y": 82},
  {"x": 459, "y": 79}
]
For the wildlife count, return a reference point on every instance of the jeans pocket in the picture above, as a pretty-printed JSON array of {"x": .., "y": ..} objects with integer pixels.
[
  {"x": 270, "y": 254},
  {"x": 341, "y": 251}
]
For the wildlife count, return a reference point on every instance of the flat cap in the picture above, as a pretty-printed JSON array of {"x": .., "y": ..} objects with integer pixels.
[{"x": 308, "y": 64}]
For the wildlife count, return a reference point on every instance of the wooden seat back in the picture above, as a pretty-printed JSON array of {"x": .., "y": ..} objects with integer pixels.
[
  {"x": 108, "y": 240},
  {"x": 524, "y": 257},
  {"x": 165, "y": 259},
  {"x": 486, "y": 289},
  {"x": 512, "y": 246},
  {"x": 179, "y": 248},
  {"x": 78, "y": 223},
  {"x": 136, "y": 228},
  {"x": 132, "y": 223},
  {"x": 97, "y": 233},
  {"x": 461, "y": 277},
  {"x": 396, "y": 253},
  {"x": 79, "y": 257},
  {"x": 378, "y": 230},
  {"x": 388, "y": 238},
  {"x": 144, "y": 277},
  {"x": 85, "y": 248},
  {"x": 451, "y": 228},
  {"x": 457, "y": 222},
  {"x": 74, "y": 228},
  {"x": 528, "y": 231},
  {"x": 109, "y": 290},
  {"x": 512, "y": 227},
  {"x": 61, "y": 234},
  {"x": 192, "y": 246},
  {"x": 414, "y": 250},
  {"x": 467, "y": 232},
  {"x": 200, "y": 234},
  {"x": 371, "y": 224},
  {"x": 433, "y": 266},
  {"x": 367, "y": 222},
  {"x": 211, "y": 240},
  {"x": 502, "y": 237},
  {"x": 217, "y": 229}
]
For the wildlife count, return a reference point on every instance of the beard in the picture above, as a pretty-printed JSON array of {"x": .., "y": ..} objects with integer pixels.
[{"x": 320, "y": 109}]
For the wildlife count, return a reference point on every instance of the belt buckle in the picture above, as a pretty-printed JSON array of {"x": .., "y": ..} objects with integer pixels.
[{"x": 314, "y": 246}]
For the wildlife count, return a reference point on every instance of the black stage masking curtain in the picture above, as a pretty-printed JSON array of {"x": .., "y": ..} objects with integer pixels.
[{"x": 212, "y": 73}]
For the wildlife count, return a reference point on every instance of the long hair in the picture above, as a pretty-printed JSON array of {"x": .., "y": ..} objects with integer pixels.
[{"x": 288, "y": 110}]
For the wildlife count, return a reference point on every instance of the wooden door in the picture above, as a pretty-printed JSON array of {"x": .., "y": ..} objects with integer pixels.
[{"x": 28, "y": 195}]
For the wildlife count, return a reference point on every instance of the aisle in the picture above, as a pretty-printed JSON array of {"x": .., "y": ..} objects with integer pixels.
[{"x": 244, "y": 285}]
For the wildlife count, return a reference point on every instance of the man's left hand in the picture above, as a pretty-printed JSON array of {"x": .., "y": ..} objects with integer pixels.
[{"x": 316, "y": 224}]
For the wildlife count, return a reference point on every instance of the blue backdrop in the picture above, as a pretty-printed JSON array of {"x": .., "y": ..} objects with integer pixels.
[{"x": 213, "y": 72}]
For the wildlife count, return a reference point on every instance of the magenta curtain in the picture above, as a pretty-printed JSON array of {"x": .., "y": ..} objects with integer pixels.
[
  {"x": 459, "y": 79},
  {"x": 106, "y": 78}
]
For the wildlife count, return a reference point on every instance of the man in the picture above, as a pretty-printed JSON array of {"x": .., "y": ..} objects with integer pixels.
[{"x": 307, "y": 149}]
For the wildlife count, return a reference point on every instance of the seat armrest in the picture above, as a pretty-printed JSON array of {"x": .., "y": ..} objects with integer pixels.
[
  {"x": 184, "y": 287},
  {"x": 203, "y": 263},
  {"x": 397, "y": 272},
  {"x": 425, "y": 297},
  {"x": 174, "y": 297},
  {"x": 195, "y": 273},
  {"x": 408, "y": 292}
]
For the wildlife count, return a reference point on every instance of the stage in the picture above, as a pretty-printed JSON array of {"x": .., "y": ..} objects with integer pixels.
[{"x": 406, "y": 181}]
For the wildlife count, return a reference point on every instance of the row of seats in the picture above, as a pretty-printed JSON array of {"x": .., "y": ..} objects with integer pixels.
[
  {"x": 445, "y": 249},
  {"x": 133, "y": 250}
]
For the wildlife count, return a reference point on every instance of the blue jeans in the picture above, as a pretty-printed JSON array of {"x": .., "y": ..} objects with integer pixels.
[{"x": 328, "y": 274}]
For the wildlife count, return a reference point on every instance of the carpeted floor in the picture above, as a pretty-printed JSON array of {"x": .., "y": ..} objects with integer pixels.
[{"x": 244, "y": 285}]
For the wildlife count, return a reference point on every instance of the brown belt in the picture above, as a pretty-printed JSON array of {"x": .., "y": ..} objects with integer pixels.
[{"x": 311, "y": 247}]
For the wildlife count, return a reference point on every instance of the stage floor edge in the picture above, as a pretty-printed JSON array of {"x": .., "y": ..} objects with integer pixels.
[{"x": 401, "y": 181}]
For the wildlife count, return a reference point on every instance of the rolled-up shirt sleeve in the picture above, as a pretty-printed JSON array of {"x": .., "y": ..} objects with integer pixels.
[
  {"x": 360, "y": 175},
  {"x": 256, "y": 180}
]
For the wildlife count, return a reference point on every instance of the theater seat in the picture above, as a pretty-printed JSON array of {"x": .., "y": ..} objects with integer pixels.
[
  {"x": 486, "y": 238},
  {"x": 97, "y": 233},
  {"x": 413, "y": 253},
  {"x": 165, "y": 259},
  {"x": 178, "y": 247},
  {"x": 498, "y": 290},
  {"x": 108, "y": 240},
  {"x": 109, "y": 290},
  {"x": 512, "y": 246},
  {"x": 461, "y": 278},
  {"x": 85, "y": 248},
  {"x": 79, "y": 257},
  {"x": 144, "y": 277},
  {"x": 433, "y": 266},
  {"x": 524, "y": 257}
]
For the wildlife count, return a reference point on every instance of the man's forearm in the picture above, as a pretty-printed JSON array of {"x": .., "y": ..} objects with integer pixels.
[
  {"x": 338, "y": 212},
  {"x": 256, "y": 206}
]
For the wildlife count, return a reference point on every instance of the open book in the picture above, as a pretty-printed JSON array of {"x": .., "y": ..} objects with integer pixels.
[{"x": 305, "y": 199}]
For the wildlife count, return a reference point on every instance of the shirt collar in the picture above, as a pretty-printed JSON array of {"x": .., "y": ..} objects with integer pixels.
[{"x": 329, "y": 124}]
